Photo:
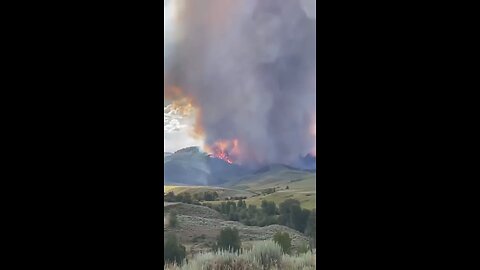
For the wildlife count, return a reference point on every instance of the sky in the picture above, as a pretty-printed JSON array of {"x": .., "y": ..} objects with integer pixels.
[{"x": 178, "y": 125}]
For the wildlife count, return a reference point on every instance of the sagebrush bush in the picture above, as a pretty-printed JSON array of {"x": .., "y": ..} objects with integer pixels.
[
  {"x": 221, "y": 260},
  {"x": 300, "y": 262},
  {"x": 229, "y": 240},
  {"x": 266, "y": 255},
  {"x": 172, "y": 220},
  {"x": 303, "y": 249},
  {"x": 284, "y": 241},
  {"x": 173, "y": 251}
]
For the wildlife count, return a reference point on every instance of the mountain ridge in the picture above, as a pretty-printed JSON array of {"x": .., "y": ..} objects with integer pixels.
[{"x": 191, "y": 166}]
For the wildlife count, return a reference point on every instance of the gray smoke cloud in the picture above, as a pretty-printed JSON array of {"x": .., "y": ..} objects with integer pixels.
[{"x": 250, "y": 67}]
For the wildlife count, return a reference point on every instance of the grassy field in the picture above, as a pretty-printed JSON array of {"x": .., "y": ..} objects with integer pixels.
[
  {"x": 307, "y": 200},
  {"x": 222, "y": 192},
  {"x": 301, "y": 186},
  {"x": 303, "y": 190}
]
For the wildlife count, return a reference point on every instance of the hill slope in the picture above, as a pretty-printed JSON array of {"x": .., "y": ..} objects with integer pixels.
[
  {"x": 301, "y": 185},
  {"x": 269, "y": 177},
  {"x": 198, "y": 228},
  {"x": 190, "y": 166}
]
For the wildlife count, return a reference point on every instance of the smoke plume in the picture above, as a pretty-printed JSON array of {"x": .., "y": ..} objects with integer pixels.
[{"x": 249, "y": 66}]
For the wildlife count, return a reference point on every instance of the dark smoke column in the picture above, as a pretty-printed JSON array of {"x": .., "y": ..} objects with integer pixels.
[{"x": 250, "y": 67}]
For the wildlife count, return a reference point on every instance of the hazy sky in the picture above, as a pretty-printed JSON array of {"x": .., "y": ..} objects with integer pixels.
[
  {"x": 178, "y": 127},
  {"x": 250, "y": 68}
]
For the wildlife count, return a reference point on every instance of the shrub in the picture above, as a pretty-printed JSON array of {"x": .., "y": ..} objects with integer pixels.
[
  {"x": 242, "y": 204},
  {"x": 284, "y": 241},
  {"x": 221, "y": 260},
  {"x": 304, "y": 261},
  {"x": 311, "y": 229},
  {"x": 268, "y": 191},
  {"x": 187, "y": 198},
  {"x": 289, "y": 214},
  {"x": 169, "y": 197},
  {"x": 173, "y": 251},
  {"x": 228, "y": 239},
  {"x": 267, "y": 253},
  {"x": 264, "y": 255},
  {"x": 210, "y": 196},
  {"x": 303, "y": 249},
  {"x": 292, "y": 215},
  {"x": 173, "y": 222},
  {"x": 269, "y": 208},
  {"x": 266, "y": 220}
]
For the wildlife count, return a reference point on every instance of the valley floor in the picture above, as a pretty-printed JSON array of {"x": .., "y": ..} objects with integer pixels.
[{"x": 302, "y": 189}]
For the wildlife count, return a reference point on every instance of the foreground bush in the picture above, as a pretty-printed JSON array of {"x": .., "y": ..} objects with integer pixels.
[
  {"x": 172, "y": 221},
  {"x": 303, "y": 249},
  {"x": 266, "y": 255},
  {"x": 229, "y": 240},
  {"x": 173, "y": 251},
  {"x": 284, "y": 241},
  {"x": 304, "y": 261}
]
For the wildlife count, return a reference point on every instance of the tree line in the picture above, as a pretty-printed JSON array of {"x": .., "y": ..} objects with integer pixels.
[
  {"x": 186, "y": 197},
  {"x": 288, "y": 213}
]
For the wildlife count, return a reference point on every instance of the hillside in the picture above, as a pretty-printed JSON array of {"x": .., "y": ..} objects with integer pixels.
[
  {"x": 270, "y": 176},
  {"x": 301, "y": 185},
  {"x": 198, "y": 228},
  {"x": 303, "y": 190},
  {"x": 192, "y": 210},
  {"x": 190, "y": 166},
  {"x": 191, "y": 170}
]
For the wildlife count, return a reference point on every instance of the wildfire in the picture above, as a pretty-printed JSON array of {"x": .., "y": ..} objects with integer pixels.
[{"x": 226, "y": 150}]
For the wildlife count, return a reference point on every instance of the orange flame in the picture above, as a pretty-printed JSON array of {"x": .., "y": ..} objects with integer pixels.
[{"x": 227, "y": 150}]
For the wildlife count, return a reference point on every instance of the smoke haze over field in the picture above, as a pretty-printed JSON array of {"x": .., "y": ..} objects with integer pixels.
[{"x": 249, "y": 68}]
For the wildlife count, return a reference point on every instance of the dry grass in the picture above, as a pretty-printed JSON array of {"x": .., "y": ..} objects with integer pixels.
[{"x": 266, "y": 255}]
